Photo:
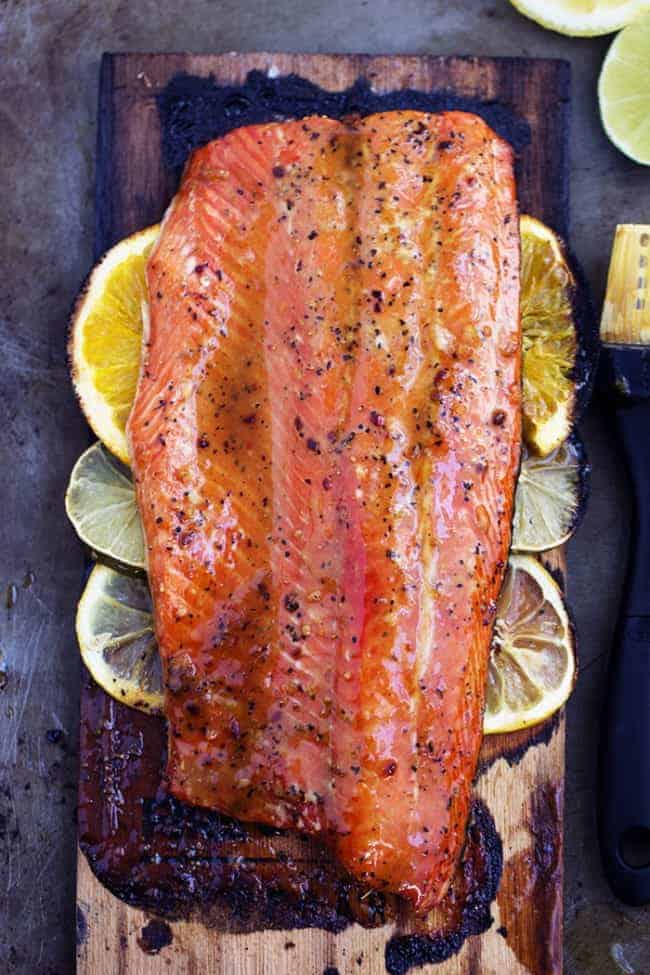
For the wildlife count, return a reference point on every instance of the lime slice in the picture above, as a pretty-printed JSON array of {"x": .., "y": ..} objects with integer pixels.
[
  {"x": 582, "y": 18},
  {"x": 624, "y": 91},
  {"x": 551, "y": 497},
  {"x": 532, "y": 664},
  {"x": 116, "y": 638},
  {"x": 100, "y": 503},
  {"x": 106, "y": 338}
]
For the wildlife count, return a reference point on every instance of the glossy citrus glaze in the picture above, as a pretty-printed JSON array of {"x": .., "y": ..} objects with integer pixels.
[{"x": 325, "y": 440}]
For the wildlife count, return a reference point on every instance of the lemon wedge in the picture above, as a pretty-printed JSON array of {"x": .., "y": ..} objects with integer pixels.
[
  {"x": 532, "y": 662},
  {"x": 582, "y": 18},
  {"x": 106, "y": 338}
]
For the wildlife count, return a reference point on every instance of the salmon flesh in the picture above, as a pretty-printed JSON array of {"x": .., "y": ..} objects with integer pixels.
[{"x": 325, "y": 441}]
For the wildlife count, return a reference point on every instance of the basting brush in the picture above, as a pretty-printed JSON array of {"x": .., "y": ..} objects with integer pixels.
[{"x": 624, "y": 801}]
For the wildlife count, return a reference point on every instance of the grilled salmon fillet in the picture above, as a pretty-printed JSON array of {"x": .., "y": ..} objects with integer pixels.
[{"x": 325, "y": 441}]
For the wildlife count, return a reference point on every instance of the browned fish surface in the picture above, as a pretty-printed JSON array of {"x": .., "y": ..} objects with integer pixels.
[{"x": 325, "y": 441}]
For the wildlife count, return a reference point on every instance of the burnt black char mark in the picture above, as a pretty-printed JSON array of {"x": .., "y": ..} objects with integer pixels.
[
  {"x": 481, "y": 868},
  {"x": 179, "y": 861},
  {"x": 196, "y": 110}
]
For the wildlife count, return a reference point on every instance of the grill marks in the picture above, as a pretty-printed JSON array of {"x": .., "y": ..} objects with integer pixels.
[{"x": 326, "y": 499}]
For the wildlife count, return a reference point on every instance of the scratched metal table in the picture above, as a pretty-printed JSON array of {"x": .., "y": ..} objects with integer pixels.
[{"x": 48, "y": 77}]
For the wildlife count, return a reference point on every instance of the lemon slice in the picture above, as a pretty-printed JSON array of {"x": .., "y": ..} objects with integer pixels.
[
  {"x": 550, "y": 498},
  {"x": 582, "y": 18},
  {"x": 624, "y": 91},
  {"x": 116, "y": 638},
  {"x": 550, "y": 343},
  {"x": 106, "y": 338},
  {"x": 100, "y": 503},
  {"x": 532, "y": 664}
]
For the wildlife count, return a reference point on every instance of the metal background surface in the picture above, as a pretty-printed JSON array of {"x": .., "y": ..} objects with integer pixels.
[{"x": 48, "y": 91}]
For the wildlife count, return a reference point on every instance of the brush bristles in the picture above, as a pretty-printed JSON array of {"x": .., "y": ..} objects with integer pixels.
[{"x": 626, "y": 312}]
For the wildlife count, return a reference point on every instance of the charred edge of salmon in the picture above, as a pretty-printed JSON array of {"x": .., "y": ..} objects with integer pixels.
[
  {"x": 481, "y": 866},
  {"x": 194, "y": 110},
  {"x": 178, "y": 861}
]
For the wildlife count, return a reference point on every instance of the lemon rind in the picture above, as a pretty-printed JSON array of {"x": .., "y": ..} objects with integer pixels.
[
  {"x": 568, "y": 26},
  {"x": 97, "y": 412}
]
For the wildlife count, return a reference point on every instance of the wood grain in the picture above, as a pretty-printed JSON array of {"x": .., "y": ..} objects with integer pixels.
[
  {"x": 532, "y": 926},
  {"x": 523, "y": 775}
]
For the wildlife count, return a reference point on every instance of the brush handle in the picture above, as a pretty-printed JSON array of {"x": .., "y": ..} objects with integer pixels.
[{"x": 625, "y": 742}]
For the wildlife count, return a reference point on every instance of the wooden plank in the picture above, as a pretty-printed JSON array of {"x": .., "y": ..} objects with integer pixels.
[
  {"x": 522, "y": 912},
  {"x": 525, "y": 798}
]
